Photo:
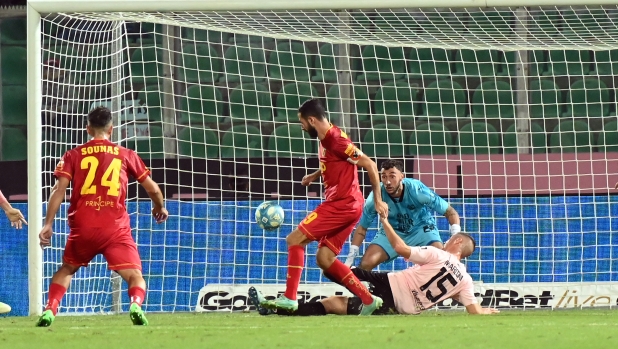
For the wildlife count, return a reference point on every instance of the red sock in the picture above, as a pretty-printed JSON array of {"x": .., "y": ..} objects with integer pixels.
[
  {"x": 296, "y": 262},
  {"x": 342, "y": 273},
  {"x": 54, "y": 296},
  {"x": 137, "y": 295}
]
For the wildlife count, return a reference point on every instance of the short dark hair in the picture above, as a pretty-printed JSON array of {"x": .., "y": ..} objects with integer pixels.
[
  {"x": 473, "y": 247},
  {"x": 99, "y": 117},
  {"x": 312, "y": 107},
  {"x": 390, "y": 163}
]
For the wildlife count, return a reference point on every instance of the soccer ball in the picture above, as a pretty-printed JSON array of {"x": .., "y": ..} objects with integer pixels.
[{"x": 269, "y": 215}]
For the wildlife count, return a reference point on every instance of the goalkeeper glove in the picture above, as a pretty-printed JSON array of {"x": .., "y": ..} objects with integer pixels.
[
  {"x": 454, "y": 229},
  {"x": 352, "y": 255}
]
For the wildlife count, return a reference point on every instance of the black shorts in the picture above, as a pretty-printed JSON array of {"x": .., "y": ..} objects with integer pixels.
[{"x": 379, "y": 287}]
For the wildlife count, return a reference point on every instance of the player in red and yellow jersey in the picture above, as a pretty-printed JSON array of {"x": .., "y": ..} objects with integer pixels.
[
  {"x": 98, "y": 220},
  {"x": 333, "y": 221}
]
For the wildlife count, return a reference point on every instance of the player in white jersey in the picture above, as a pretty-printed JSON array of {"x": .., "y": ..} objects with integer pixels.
[{"x": 437, "y": 275}]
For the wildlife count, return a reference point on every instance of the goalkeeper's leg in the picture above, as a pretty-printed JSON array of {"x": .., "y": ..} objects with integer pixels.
[{"x": 338, "y": 305}]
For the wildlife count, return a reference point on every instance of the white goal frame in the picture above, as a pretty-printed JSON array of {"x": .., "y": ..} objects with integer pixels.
[{"x": 37, "y": 7}]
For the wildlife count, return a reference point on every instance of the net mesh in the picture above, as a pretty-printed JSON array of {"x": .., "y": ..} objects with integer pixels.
[{"x": 509, "y": 114}]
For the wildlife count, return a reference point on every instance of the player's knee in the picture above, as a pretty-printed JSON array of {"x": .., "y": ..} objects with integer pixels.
[
  {"x": 69, "y": 268},
  {"x": 368, "y": 264},
  {"x": 335, "y": 305},
  {"x": 296, "y": 238}
]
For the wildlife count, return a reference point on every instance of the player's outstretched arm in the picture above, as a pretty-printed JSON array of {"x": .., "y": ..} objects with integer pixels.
[
  {"x": 55, "y": 199},
  {"x": 475, "y": 309},
  {"x": 154, "y": 192},
  {"x": 374, "y": 177},
  {"x": 14, "y": 215},
  {"x": 310, "y": 178},
  {"x": 453, "y": 220},
  {"x": 398, "y": 244}
]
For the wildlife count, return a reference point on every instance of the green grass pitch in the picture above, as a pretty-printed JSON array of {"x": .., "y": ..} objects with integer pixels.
[{"x": 513, "y": 329}]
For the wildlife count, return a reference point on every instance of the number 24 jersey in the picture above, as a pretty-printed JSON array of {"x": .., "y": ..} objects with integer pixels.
[{"x": 99, "y": 171}]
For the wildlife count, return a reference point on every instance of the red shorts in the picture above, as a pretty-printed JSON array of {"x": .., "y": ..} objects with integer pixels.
[
  {"x": 117, "y": 246},
  {"x": 332, "y": 222}
]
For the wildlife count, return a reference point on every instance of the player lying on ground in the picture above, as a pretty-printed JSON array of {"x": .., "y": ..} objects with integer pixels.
[
  {"x": 410, "y": 212},
  {"x": 98, "y": 220},
  {"x": 16, "y": 218},
  {"x": 437, "y": 275},
  {"x": 332, "y": 222}
]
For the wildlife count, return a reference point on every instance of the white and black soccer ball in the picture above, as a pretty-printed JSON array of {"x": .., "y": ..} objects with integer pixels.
[{"x": 269, "y": 215}]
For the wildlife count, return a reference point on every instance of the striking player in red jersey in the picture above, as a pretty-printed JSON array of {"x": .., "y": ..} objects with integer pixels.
[
  {"x": 97, "y": 217},
  {"x": 332, "y": 222}
]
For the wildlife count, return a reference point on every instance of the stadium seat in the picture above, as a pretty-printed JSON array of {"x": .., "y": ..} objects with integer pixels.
[
  {"x": 585, "y": 22},
  {"x": 242, "y": 141},
  {"x": 150, "y": 147},
  {"x": 201, "y": 105},
  {"x": 395, "y": 102},
  {"x": 544, "y": 24},
  {"x": 200, "y": 63},
  {"x": 198, "y": 142},
  {"x": 202, "y": 36},
  {"x": 150, "y": 34},
  {"x": 545, "y": 99},
  {"x": 243, "y": 64},
  {"x": 14, "y": 144},
  {"x": 431, "y": 139},
  {"x": 569, "y": 137},
  {"x": 98, "y": 63},
  {"x": 13, "y": 31},
  {"x": 251, "y": 102},
  {"x": 325, "y": 65},
  {"x": 150, "y": 98},
  {"x": 429, "y": 63},
  {"x": 493, "y": 99},
  {"x": 14, "y": 106},
  {"x": 538, "y": 137},
  {"x": 608, "y": 139},
  {"x": 568, "y": 63},
  {"x": 146, "y": 67},
  {"x": 380, "y": 63},
  {"x": 479, "y": 138},
  {"x": 289, "y": 61},
  {"x": 605, "y": 63},
  {"x": 290, "y": 98},
  {"x": 290, "y": 141},
  {"x": 64, "y": 54},
  {"x": 250, "y": 40},
  {"x": 381, "y": 141},
  {"x": 14, "y": 65},
  {"x": 361, "y": 102},
  {"x": 476, "y": 62},
  {"x": 537, "y": 63},
  {"x": 588, "y": 97},
  {"x": 445, "y": 98},
  {"x": 490, "y": 23}
]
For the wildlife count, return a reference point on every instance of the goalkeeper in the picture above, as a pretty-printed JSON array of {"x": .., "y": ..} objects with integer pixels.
[{"x": 410, "y": 206}]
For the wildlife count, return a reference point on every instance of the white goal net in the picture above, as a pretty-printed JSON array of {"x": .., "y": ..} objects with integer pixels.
[{"x": 508, "y": 113}]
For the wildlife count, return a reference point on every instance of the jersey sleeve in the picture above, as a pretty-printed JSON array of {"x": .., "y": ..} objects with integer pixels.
[
  {"x": 65, "y": 167},
  {"x": 136, "y": 167},
  {"x": 342, "y": 147},
  {"x": 466, "y": 295},
  {"x": 422, "y": 254},
  {"x": 429, "y": 198},
  {"x": 369, "y": 212}
]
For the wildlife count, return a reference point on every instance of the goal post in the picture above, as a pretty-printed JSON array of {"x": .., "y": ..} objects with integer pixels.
[{"x": 505, "y": 111}]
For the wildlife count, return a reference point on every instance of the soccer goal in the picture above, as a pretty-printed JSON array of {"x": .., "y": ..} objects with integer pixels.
[{"x": 508, "y": 112}]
